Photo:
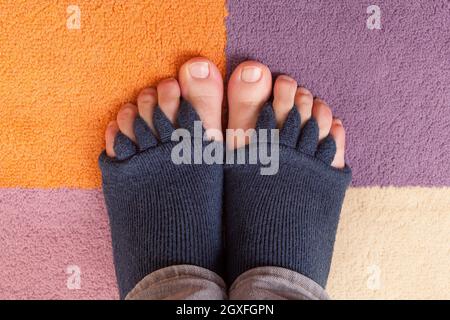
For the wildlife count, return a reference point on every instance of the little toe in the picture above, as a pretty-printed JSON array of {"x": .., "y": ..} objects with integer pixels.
[{"x": 110, "y": 135}]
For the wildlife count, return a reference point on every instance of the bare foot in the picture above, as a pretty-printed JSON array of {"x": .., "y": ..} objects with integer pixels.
[{"x": 250, "y": 87}]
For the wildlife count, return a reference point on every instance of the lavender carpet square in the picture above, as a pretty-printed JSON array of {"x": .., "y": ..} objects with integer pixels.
[{"x": 384, "y": 71}]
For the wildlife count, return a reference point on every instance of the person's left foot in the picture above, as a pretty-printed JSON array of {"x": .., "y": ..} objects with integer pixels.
[
  {"x": 162, "y": 214},
  {"x": 288, "y": 219}
]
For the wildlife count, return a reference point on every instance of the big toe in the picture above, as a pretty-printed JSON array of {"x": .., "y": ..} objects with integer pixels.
[
  {"x": 249, "y": 88},
  {"x": 202, "y": 85}
]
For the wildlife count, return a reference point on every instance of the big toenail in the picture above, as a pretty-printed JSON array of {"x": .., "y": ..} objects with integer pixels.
[
  {"x": 251, "y": 74},
  {"x": 199, "y": 70},
  {"x": 338, "y": 121}
]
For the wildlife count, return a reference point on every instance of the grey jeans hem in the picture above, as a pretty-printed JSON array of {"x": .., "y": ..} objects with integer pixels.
[
  {"x": 188, "y": 282},
  {"x": 181, "y": 282}
]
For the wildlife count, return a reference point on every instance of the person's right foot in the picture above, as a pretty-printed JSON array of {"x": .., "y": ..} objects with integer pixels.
[
  {"x": 289, "y": 219},
  {"x": 163, "y": 214}
]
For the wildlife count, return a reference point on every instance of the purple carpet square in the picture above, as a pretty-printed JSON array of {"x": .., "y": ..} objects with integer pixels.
[{"x": 384, "y": 70}]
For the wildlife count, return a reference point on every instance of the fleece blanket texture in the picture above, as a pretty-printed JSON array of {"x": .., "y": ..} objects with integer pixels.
[{"x": 67, "y": 67}]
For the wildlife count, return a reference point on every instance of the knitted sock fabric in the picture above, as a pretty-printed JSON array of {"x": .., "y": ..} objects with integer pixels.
[
  {"x": 288, "y": 219},
  {"x": 160, "y": 213}
]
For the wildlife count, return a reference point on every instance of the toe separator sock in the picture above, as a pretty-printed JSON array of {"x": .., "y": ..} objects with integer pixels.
[
  {"x": 144, "y": 135},
  {"x": 266, "y": 119},
  {"x": 163, "y": 125},
  {"x": 291, "y": 129},
  {"x": 160, "y": 213},
  {"x": 326, "y": 150},
  {"x": 309, "y": 138},
  {"x": 288, "y": 219},
  {"x": 124, "y": 147},
  {"x": 187, "y": 118}
]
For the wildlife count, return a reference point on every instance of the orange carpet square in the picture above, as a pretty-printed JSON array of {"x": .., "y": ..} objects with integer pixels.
[{"x": 67, "y": 67}]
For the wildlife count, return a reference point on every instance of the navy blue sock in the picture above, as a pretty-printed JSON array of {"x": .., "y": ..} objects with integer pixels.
[
  {"x": 288, "y": 219},
  {"x": 161, "y": 214}
]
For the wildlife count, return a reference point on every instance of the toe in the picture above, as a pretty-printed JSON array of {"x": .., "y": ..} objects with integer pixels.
[
  {"x": 147, "y": 101},
  {"x": 169, "y": 98},
  {"x": 323, "y": 115},
  {"x": 125, "y": 120},
  {"x": 110, "y": 134},
  {"x": 283, "y": 98},
  {"x": 338, "y": 133},
  {"x": 304, "y": 103},
  {"x": 202, "y": 86},
  {"x": 249, "y": 88}
]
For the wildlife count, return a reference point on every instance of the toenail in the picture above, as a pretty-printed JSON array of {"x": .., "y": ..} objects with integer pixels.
[
  {"x": 251, "y": 74},
  {"x": 199, "y": 70},
  {"x": 286, "y": 78},
  {"x": 338, "y": 121},
  {"x": 304, "y": 91},
  {"x": 147, "y": 95},
  {"x": 127, "y": 110}
]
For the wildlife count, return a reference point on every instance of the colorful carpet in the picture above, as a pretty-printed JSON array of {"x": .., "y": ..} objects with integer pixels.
[{"x": 66, "y": 69}]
